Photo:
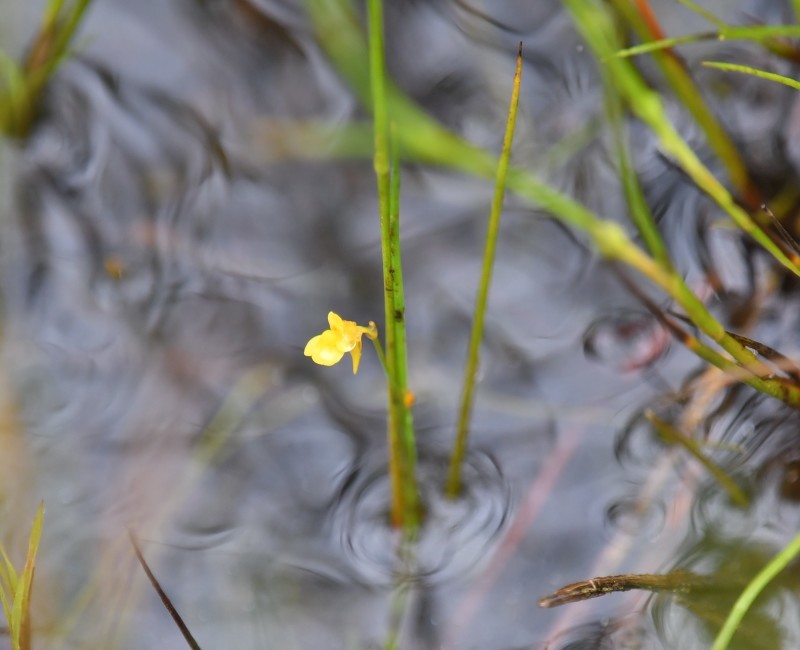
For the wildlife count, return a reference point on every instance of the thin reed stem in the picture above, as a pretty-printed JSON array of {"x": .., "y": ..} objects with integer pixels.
[
  {"x": 404, "y": 505},
  {"x": 746, "y": 69},
  {"x": 634, "y": 195},
  {"x": 399, "y": 321},
  {"x": 756, "y": 33},
  {"x": 453, "y": 486}
]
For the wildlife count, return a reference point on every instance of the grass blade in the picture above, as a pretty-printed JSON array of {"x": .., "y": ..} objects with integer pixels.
[
  {"x": 19, "y": 625},
  {"x": 752, "y": 591},
  {"x": 471, "y": 371},
  {"x": 187, "y": 635},
  {"x": 745, "y": 69}
]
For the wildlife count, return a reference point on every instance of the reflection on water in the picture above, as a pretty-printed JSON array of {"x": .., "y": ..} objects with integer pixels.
[{"x": 177, "y": 235}]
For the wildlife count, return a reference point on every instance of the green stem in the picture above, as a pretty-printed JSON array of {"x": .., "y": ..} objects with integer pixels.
[
  {"x": 753, "y": 589},
  {"x": 765, "y": 34},
  {"x": 404, "y": 508},
  {"x": 399, "y": 322},
  {"x": 634, "y": 195},
  {"x": 453, "y": 486},
  {"x": 745, "y": 69}
]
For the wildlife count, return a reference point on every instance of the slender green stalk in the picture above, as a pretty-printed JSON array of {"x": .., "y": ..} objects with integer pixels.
[
  {"x": 755, "y": 33},
  {"x": 401, "y": 370},
  {"x": 404, "y": 507},
  {"x": 453, "y": 486},
  {"x": 752, "y": 591},
  {"x": 745, "y": 69},
  {"x": 634, "y": 195},
  {"x": 16, "y": 587}
]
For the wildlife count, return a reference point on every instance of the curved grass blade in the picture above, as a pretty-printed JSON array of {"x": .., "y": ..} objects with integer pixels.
[
  {"x": 755, "y": 33},
  {"x": 19, "y": 624},
  {"x": 746, "y": 69}
]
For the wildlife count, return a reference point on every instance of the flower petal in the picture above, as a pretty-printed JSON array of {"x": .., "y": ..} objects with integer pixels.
[
  {"x": 335, "y": 321},
  {"x": 350, "y": 334},
  {"x": 356, "y": 354},
  {"x": 323, "y": 349},
  {"x": 312, "y": 345}
]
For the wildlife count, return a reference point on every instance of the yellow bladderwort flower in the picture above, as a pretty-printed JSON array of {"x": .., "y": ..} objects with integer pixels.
[{"x": 329, "y": 347}]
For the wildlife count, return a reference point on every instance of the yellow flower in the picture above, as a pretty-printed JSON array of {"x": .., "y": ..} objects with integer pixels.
[{"x": 329, "y": 347}]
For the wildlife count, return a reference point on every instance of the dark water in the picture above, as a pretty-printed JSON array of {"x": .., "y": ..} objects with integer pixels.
[{"x": 170, "y": 243}]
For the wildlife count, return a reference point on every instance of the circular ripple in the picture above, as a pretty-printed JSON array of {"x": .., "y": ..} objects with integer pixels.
[
  {"x": 636, "y": 516},
  {"x": 628, "y": 341},
  {"x": 454, "y": 536}
]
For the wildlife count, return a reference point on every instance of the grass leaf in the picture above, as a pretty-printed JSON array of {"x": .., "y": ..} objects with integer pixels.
[
  {"x": 746, "y": 69},
  {"x": 20, "y": 610}
]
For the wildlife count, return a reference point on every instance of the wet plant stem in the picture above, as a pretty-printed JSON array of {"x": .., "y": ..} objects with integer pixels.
[
  {"x": 453, "y": 485},
  {"x": 752, "y": 591},
  {"x": 402, "y": 450}
]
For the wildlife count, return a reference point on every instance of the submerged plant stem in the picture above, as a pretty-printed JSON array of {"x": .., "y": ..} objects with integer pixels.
[
  {"x": 752, "y": 590},
  {"x": 453, "y": 486},
  {"x": 402, "y": 451}
]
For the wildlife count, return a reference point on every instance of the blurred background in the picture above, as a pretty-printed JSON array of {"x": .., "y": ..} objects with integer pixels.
[{"x": 192, "y": 202}]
